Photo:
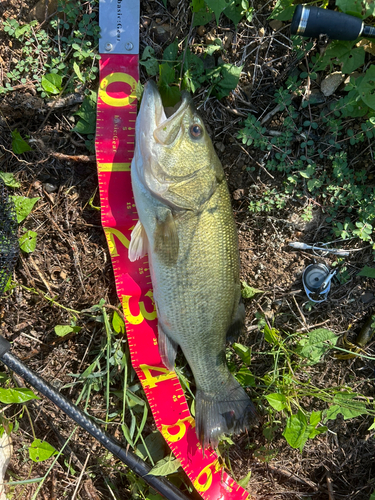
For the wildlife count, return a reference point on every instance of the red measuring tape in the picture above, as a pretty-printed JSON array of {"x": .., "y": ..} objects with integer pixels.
[{"x": 115, "y": 132}]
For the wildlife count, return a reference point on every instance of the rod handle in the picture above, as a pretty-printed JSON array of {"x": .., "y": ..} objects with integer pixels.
[{"x": 313, "y": 21}]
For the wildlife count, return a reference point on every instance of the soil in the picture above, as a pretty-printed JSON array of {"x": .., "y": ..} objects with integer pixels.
[{"x": 71, "y": 266}]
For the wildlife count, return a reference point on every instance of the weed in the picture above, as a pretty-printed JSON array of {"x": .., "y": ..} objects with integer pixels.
[
  {"x": 61, "y": 55},
  {"x": 312, "y": 155},
  {"x": 284, "y": 387},
  {"x": 311, "y": 150}
]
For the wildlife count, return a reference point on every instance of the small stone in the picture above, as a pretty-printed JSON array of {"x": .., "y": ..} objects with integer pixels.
[
  {"x": 220, "y": 147},
  {"x": 43, "y": 9},
  {"x": 367, "y": 297},
  {"x": 331, "y": 83},
  {"x": 161, "y": 32},
  {"x": 228, "y": 41},
  {"x": 201, "y": 30},
  {"x": 63, "y": 275},
  {"x": 275, "y": 24},
  {"x": 49, "y": 187},
  {"x": 238, "y": 194},
  {"x": 210, "y": 38},
  {"x": 261, "y": 32}
]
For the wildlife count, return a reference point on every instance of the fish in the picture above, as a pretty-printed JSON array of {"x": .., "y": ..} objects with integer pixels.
[{"x": 187, "y": 228}]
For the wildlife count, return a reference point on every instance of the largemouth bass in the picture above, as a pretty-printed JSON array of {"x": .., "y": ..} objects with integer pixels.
[{"x": 186, "y": 227}]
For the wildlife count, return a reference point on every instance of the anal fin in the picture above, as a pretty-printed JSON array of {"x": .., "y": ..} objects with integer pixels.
[
  {"x": 138, "y": 243},
  {"x": 237, "y": 326},
  {"x": 167, "y": 349}
]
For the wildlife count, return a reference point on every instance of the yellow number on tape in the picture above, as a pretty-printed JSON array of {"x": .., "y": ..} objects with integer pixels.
[
  {"x": 110, "y": 234},
  {"x": 136, "y": 320},
  {"x": 152, "y": 380},
  {"x": 117, "y": 101},
  {"x": 207, "y": 471},
  {"x": 172, "y": 438}
]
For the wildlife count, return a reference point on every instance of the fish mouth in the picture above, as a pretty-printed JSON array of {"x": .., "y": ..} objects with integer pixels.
[{"x": 165, "y": 131}]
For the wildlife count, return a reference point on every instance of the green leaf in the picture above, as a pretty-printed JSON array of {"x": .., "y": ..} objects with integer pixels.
[
  {"x": 352, "y": 60},
  {"x": 230, "y": 75},
  {"x": 366, "y": 88},
  {"x": 149, "y": 61},
  {"x": 62, "y": 330},
  {"x": 27, "y": 241},
  {"x": 19, "y": 146},
  {"x": 358, "y": 8},
  {"x": 296, "y": 430},
  {"x": 244, "y": 482},
  {"x": 245, "y": 377},
  {"x": 234, "y": 11},
  {"x": 319, "y": 341},
  {"x": 87, "y": 115},
  {"x": 19, "y": 395},
  {"x": 243, "y": 352},
  {"x": 170, "y": 95},
  {"x": 118, "y": 323},
  {"x": 9, "y": 179},
  {"x": 248, "y": 292},
  {"x": 277, "y": 401},
  {"x": 51, "y": 83},
  {"x": 41, "y": 450},
  {"x": 345, "y": 403},
  {"x": 77, "y": 71},
  {"x": 203, "y": 17},
  {"x": 150, "y": 496},
  {"x": 197, "y": 5},
  {"x": 283, "y": 10},
  {"x": 271, "y": 335},
  {"x": 165, "y": 466},
  {"x": 23, "y": 206},
  {"x": 213, "y": 47},
  {"x": 156, "y": 447},
  {"x": 314, "y": 183},
  {"x": 367, "y": 272},
  {"x": 218, "y": 6},
  {"x": 170, "y": 52}
]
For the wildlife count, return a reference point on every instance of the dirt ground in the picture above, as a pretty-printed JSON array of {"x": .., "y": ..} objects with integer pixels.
[{"x": 71, "y": 264}]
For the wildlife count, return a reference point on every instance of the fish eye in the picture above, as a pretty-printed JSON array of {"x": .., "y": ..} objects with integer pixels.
[{"x": 196, "y": 131}]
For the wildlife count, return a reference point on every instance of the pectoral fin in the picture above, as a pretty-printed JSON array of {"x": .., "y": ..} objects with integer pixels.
[
  {"x": 166, "y": 240},
  {"x": 138, "y": 243},
  {"x": 167, "y": 349}
]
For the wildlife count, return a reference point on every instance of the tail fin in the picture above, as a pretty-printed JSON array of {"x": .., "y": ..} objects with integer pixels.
[{"x": 229, "y": 412}]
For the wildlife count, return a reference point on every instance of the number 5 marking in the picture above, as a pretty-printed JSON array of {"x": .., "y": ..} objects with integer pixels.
[{"x": 173, "y": 438}]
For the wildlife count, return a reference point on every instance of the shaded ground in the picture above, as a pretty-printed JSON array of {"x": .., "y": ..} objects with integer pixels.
[{"x": 71, "y": 265}]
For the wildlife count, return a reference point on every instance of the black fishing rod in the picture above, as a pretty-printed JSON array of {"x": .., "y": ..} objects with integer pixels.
[
  {"x": 160, "y": 484},
  {"x": 313, "y": 21}
]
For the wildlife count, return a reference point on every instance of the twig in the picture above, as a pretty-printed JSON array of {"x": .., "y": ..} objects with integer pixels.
[
  {"x": 187, "y": 44},
  {"x": 270, "y": 114},
  {"x": 82, "y": 158},
  {"x": 80, "y": 477},
  {"x": 329, "y": 486},
  {"x": 35, "y": 266},
  {"x": 301, "y": 313}
]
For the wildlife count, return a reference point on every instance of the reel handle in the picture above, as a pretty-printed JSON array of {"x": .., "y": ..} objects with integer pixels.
[{"x": 313, "y": 21}]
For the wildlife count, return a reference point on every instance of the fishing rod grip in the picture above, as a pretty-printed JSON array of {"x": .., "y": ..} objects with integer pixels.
[
  {"x": 313, "y": 21},
  {"x": 160, "y": 484}
]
